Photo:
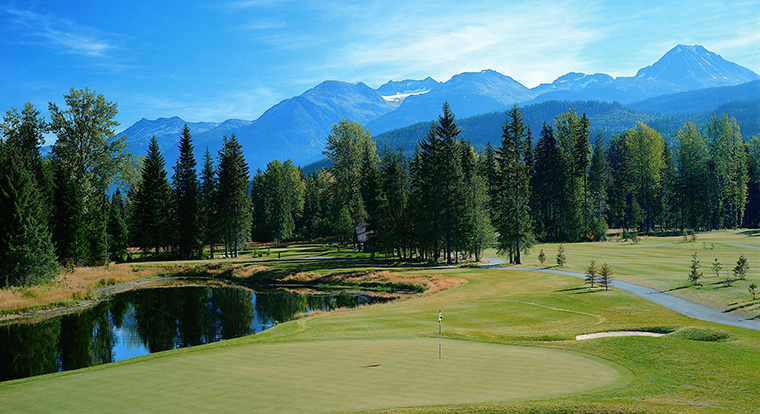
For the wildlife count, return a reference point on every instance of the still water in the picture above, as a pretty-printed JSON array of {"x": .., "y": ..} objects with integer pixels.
[{"x": 151, "y": 320}]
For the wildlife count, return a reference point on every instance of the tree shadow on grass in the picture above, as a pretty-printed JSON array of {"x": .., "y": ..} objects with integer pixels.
[
  {"x": 751, "y": 233},
  {"x": 581, "y": 290},
  {"x": 679, "y": 288},
  {"x": 742, "y": 306}
]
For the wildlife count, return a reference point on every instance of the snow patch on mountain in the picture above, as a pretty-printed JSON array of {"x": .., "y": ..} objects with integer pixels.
[{"x": 398, "y": 97}]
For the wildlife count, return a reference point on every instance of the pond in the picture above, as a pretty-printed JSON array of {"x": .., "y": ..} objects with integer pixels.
[{"x": 152, "y": 320}]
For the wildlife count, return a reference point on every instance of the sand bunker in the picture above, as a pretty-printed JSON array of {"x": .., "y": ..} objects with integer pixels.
[{"x": 617, "y": 333}]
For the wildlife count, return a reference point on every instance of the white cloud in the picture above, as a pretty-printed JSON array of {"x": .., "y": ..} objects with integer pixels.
[
  {"x": 62, "y": 34},
  {"x": 522, "y": 41}
]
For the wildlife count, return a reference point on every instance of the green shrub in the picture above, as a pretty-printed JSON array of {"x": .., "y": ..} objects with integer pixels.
[{"x": 703, "y": 335}]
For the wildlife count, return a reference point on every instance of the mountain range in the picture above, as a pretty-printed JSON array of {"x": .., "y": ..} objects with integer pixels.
[{"x": 296, "y": 128}]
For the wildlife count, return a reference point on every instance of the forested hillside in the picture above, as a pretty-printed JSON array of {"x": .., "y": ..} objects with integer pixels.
[
  {"x": 606, "y": 119},
  {"x": 555, "y": 171}
]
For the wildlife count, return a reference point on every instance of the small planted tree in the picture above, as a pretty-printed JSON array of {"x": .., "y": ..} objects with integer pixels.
[
  {"x": 695, "y": 274},
  {"x": 561, "y": 258},
  {"x": 716, "y": 266},
  {"x": 742, "y": 267},
  {"x": 753, "y": 290},
  {"x": 542, "y": 256},
  {"x": 605, "y": 276},
  {"x": 591, "y": 274}
]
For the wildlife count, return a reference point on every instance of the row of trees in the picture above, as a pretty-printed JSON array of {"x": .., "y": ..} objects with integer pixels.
[
  {"x": 190, "y": 212},
  {"x": 445, "y": 201},
  {"x": 56, "y": 208}
]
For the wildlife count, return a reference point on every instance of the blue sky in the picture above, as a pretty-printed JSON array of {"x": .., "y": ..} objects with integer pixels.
[{"x": 211, "y": 60}]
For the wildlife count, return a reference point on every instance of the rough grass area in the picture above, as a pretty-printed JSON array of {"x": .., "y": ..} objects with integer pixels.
[
  {"x": 69, "y": 288},
  {"x": 704, "y": 335}
]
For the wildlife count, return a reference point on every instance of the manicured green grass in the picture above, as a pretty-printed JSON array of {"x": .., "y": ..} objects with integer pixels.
[
  {"x": 508, "y": 347},
  {"x": 322, "y": 376},
  {"x": 663, "y": 263}
]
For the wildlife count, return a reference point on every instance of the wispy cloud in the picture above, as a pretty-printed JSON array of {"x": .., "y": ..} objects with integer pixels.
[
  {"x": 442, "y": 40},
  {"x": 247, "y": 4},
  {"x": 63, "y": 34}
]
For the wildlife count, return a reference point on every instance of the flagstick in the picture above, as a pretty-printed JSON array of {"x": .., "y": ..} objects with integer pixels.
[{"x": 439, "y": 334}]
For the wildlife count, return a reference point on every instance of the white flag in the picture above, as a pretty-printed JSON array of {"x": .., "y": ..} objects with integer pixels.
[{"x": 440, "y": 316}]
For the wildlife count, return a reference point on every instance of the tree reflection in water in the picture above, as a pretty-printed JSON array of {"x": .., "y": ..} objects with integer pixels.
[{"x": 151, "y": 320}]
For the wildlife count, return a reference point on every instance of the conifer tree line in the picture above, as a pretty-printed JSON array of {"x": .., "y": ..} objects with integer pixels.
[{"x": 90, "y": 202}]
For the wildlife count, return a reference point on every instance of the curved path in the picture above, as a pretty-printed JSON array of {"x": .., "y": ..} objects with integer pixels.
[
  {"x": 674, "y": 303},
  {"x": 742, "y": 245}
]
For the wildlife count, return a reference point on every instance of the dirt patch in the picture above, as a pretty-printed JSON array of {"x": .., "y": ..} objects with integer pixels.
[
  {"x": 426, "y": 284},
  {"x": 617, "y": 333}
]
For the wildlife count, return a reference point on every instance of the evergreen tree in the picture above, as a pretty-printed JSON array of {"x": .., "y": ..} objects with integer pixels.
[
  {"x": 694, "y": 273},
  {"x": 513, "y": 217},
  {"x": 451, "y": 176},
  {"x": 489, "y": 171},
  {"x": 259, "y": 227},
  {"x": 667, "y": 211},
  {"x": 186, "y": 199},
  {"x": 440, "y": 176},
  {"x": 374, "y": 201},
  {"x": 728, "y": 166},
  {"x": 476, "y": 229},
  {"x": 574, "y": 148},
  {"x": 395, "y": 187},
  {"x": 742, "y": 267},
  {"x": 118, "y": 231},
  {"x": 207, "y": 202},
  {"x": 598, "y": 182},
  {"x": 605, "y": 275},
  {"x": 24, "y": 136},
  {"x": 592, "y": 274},
  {"x": 152, "y": 215},
  {"x": 69, "y": 230},
  {"x": 547, "y": 186},
  {"x": 27, "y": 255},
  {"x": 233, "y": 202},
  {"x": 24, "y": 133},
  {"x": 317, "y": 204},
  {"x": 752, "y": 214}
]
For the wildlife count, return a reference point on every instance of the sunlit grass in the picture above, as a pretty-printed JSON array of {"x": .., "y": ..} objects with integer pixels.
[
  {"x": 663, "y": 263},
  {"x": 496, "y": 328}
]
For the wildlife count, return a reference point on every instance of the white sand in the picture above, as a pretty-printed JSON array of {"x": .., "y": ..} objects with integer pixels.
[{"x": 617, "y": 333}]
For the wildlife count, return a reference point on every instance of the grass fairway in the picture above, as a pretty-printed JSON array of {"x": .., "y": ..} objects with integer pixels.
[
  {"x": 322, "y": 376},
  {"x": 663, "y": 263},
  {"x": 508, "y": 347}
]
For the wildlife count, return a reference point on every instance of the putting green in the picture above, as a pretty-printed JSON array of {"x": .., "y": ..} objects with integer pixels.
[{"x": 322, "y": 376}]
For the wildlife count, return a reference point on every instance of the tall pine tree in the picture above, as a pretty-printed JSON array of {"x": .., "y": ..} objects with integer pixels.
[
  {"x": 233, "y": 202},
  {"x": 152, "y": 215},
  {"x": 513, "y": 217},
  {"x": 27, "y": 255},
  {"x": 186, "y": 199},
  {"x": 207, "y": 224}
]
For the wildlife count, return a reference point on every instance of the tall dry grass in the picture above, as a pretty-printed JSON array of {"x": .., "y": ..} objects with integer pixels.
[{"x": 68, "y": 287}]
